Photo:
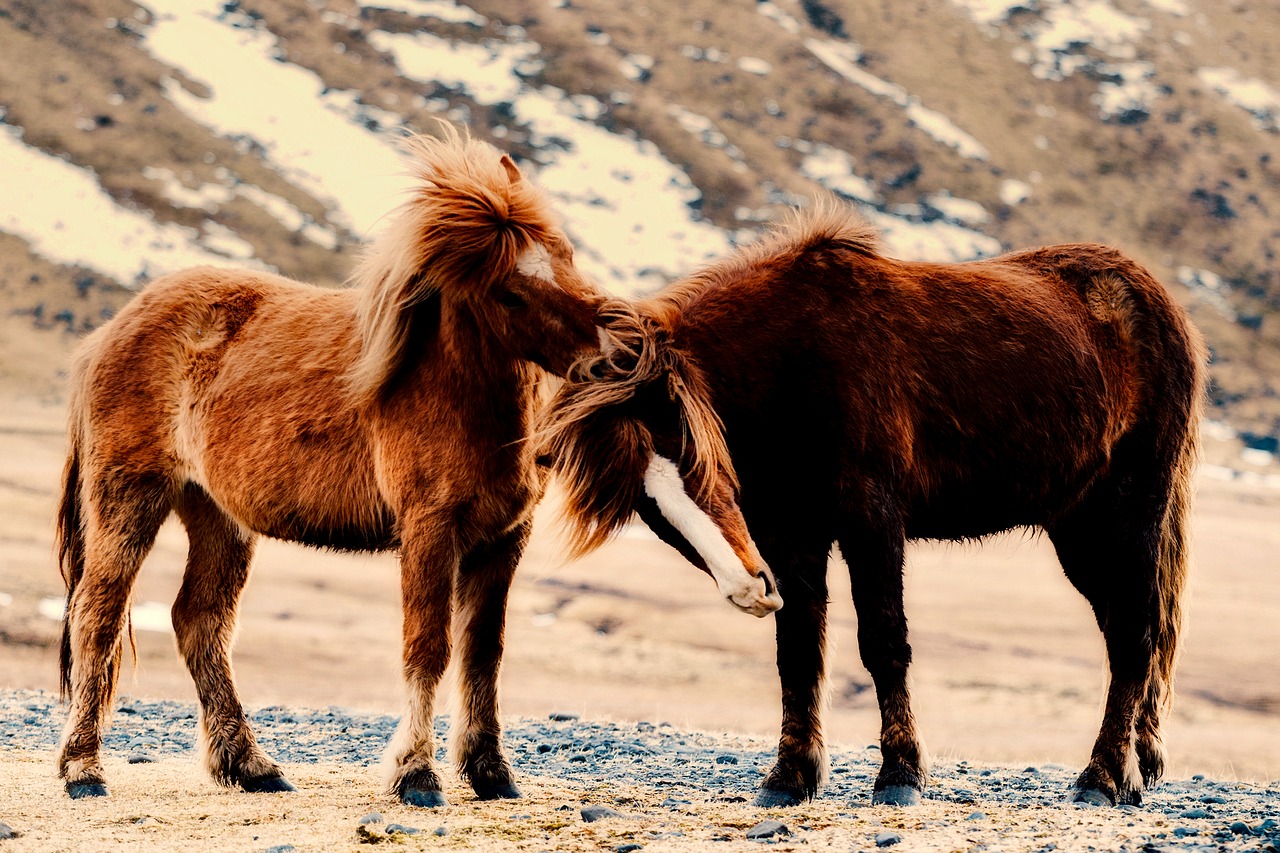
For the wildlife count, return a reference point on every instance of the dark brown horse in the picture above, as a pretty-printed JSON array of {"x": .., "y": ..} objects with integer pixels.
[
  {"x": 391, "y": 415},
  {"x": 866, "y": 402}
]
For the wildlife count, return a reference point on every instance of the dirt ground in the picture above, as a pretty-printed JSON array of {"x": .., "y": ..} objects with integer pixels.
[{"x": 1009, "y": 664}]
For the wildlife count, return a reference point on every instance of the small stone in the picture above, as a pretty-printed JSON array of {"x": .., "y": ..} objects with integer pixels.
[
  {"x": 726, "y": 759},
  {"x": 1214, "y": 799},
  {"x": 394, "y": 828},
  {"x": 280, "y": 848},
  {"x": 591, "y": 814},
  {"x": 1194, "y": 814},
  {"x": 976, "y": 816},
  {"x": 142, "y": 758},
  {"x": 578, "y": 759},
  {"x": 767, "y": 829},
  {"x": 1239, "y": 827},
  {"x": 562, "y": 717},
  {"x": 1199, "y": 777},
  {"x": 372, "y": 817},
  {"x": 674, "y": 802},
  {"x": 1184, "y": 831},
  {"x": 544, "y": 747},
  {"x": 628, "y": 848},
  {"x": 441, "y": 831},
  {"x": 887, "y": 839},
  {"x": 6, "y": 831}
]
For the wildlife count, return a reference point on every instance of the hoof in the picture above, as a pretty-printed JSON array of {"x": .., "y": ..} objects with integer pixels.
[
  {"x": 498, "y": 791},
  {"x": 772, "y": 798},
  {"x": 423, "y": 799},
  {"x": 896, "y": 795},
  {"x": 1092, "y": 797},
  {"x": 267, "y": 785},
  {"x": 81, "y": 790}
]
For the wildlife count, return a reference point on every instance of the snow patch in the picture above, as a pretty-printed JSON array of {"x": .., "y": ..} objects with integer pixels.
[
  {"x": 1251, "y": 95},
  {"x": 775, "y": 13},
  {"x": 65, "y": 216},
  {"x": 305, "y": 132},
  {"x": 444, "y": 10},
  {"x": 626, "y": 206},
  {"x": 1209, "y": 288},
  {"x": 842, "y": 58},
  {"x": 834, "y": 169},
  {"x": 755, "y": 65},
  {"x": 962, "y": 210},
  {"x": 1014, "y": 192}
]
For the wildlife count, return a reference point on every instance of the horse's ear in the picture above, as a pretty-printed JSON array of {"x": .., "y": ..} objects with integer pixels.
[{"x": 513, "y": 171}]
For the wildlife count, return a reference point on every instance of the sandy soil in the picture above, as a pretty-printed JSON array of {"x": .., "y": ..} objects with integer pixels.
[
  {"x": 1009, "y": 664},
  {"x": 170, "y": 805}
]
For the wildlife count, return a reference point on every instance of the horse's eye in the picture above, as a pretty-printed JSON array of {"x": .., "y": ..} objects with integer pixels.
[{"x": 510, "y": 299}]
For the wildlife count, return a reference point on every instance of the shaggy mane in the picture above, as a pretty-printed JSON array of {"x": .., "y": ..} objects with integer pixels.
[
  {"x": 461, "y": 230},
  {"x": 601, "y": 454},
  {"x": 828, "y": 225}
]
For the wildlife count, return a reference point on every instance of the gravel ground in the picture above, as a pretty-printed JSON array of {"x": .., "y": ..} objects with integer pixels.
[{"x": 682, "y": 769}]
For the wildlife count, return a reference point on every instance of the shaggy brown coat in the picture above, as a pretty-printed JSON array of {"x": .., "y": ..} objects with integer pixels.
[
  {"x": 391, "y": 415},
  {"x": 867, "y": 401}
]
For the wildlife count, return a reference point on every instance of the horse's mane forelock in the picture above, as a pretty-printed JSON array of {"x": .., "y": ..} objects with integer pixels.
[
  {"x": 601, "y": 455},
  {"x": 463, "y": 228}
]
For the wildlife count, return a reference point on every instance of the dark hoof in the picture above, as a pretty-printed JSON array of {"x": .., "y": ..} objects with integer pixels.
[
  {"x": 81, "y": 790},
  {"x": 498, "y": 791},
  {"x": 423, "y": 799},
  {"x": 772, "y": 798},
  {"x": 1092, "y": 797},
  {"x": 896, "y": 795},
  {"x": 267, "y": 785}
]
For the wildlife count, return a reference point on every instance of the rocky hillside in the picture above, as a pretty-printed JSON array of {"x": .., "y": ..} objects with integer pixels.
[{"x": 141, "y": 137}]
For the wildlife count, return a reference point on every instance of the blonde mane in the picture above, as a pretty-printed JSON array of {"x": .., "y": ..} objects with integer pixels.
[{"x": 463, "y": 229}]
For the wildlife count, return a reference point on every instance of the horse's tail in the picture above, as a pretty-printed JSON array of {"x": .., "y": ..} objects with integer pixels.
[
  {"x": 1174, "y": 533},
  {"x": 1175, "y": 357},
  {"x": 69, "y": 538}
]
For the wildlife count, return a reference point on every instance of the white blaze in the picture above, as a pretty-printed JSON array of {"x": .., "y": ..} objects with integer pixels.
[
  {"x": 662, "y": 482},
  {"x": 536, "y": 263}
]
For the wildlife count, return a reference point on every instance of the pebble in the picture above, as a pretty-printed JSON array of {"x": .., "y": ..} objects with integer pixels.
[
  {"x": 280, "y": 848},
  {"x": 7, "y": 832},
  {"x": 562, "y": 717},
  {"x": 1194, "y": 814},
  {"x": 395, "y": 828},
  {"x": 591, "y": 814},
  {"x": 628, "y": 848},
  {"x": 441, "y": 831},
  {"x": 372, "y": 817},
  {"x": 726, "y": 759},
  {"x": 1241, "y": 828},
  {"x": 976, "y": 816},
  {"x": 142, "y": 758},
  {"x": 767, "y": 829},
  {"x": 887, "y": 839}
]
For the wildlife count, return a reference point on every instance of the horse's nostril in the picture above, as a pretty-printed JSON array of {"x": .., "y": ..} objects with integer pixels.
[{"x": 768, "y": 583}]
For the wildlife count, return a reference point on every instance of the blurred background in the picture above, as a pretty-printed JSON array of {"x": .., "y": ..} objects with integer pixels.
[{"x": 139, "y": 138}]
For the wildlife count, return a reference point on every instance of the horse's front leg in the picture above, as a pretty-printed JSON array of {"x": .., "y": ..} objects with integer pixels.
[
  {"x": 802, "y": 637},
  {"x": 875, "y": 560},
  {"x": 428, "y": 562},
  {"x": 484, "y": 578}
]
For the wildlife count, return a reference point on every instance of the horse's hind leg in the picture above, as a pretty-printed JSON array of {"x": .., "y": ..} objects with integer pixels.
[
  {"x": 875, "y": 558},
  {"x": 1110, "y": 552},
  {"x": 122, "y": 515},
  {"x": 484, "y": 578},
  {"x": 204, "y": 619}
]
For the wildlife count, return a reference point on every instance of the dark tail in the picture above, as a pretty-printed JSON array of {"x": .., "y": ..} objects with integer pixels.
[{"x": 70, "y": 538}]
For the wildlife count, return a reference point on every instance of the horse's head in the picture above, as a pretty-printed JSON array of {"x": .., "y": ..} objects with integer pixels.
[
  {"x": 633, "y": 431},
  {"x": 476, "y": 234}
]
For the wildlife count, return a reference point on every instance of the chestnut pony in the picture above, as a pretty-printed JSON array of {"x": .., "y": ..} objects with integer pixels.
[
  {"x": 867, "y": 401},
  {"x": 389, "y": 415}
]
